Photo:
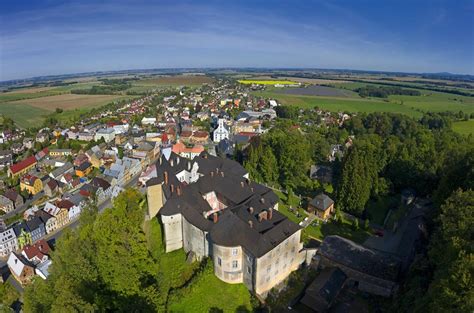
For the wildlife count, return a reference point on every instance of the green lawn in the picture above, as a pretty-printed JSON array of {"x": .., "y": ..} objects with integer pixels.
[
  {"x": 378, "y": 209},
  {"x": 345, "y": 230},
  {"x": 321, "y": 230},
  {"x": 207, "y": 293},
  {"x": 188, "y": 293},
  {"x": 464, "y": 127}
]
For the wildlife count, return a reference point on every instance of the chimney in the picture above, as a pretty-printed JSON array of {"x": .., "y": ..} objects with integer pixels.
[
  {"x": 222, "y": 174},
  {"x": 242, "y": 184},
  {"x": 172, "y": 188},
  {"x": 189, "y": 165},
  {"x": 262, "y": 216},
  {"x": 212, "y": 174},
  {"x": 172, "y": 162},
  {"x": 270, "y": 213},
  {"x": 251, "y": 210},
  {"x": 262, "y": 200},
  {"x": 250, "y": 224},
  {"x": 178, "y": 190},
  {"x": 251, "y": 189},
  {"x": 177, "y": 161},
  {"x": 215, "y": 217},
  {"x": 165, "y": 177}
]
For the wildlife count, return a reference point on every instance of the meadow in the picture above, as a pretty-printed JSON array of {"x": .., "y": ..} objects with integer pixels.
[{"x": 464, "y": 127}]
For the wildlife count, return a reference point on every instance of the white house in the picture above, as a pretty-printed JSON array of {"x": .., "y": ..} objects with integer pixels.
[
  {"x": 221, "y": 132},
  {"x": 8, "y": 242},
  {"x": 107, "y": 133}
]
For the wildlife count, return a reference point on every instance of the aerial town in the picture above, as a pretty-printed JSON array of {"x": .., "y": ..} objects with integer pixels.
[{"x": 180, "y": 149}]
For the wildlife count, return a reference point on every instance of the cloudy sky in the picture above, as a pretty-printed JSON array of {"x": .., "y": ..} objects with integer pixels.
[{"x": 43, "y": 37}]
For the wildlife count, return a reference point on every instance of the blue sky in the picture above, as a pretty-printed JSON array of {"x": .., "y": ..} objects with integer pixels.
[{"x": 43, "y": 37}]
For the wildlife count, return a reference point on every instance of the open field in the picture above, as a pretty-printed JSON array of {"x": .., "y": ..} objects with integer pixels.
[
  {"x": 316, "y": 81},
  {"x": 24, "y": 115},
  {"x": 464, "y": 127},
  {"x": 318, "y": 91},
  {"x": 428, "y": 101},
  {"x": 28, "y": 90},
  {"x": 341, "y": 104},
  {"x": 67, "y": 101},
  {"x": 31, "y": 112},
  {"x": 267, "y": 82},
  {"x": 177, "y": 80}
]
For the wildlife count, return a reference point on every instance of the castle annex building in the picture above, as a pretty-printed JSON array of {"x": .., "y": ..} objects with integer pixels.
[{"x": 210, "y": 208}]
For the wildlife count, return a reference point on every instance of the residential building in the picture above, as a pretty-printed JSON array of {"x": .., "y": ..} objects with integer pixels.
[
  {"x": 322, "y": 206},
  {"x": 22, "y": 270},
  {"x": 61, "y": 171},
  {"x": 31, "y": 184},
  {"x": 8, "y": 242},
  {"x": 22, "y": 167},
  {"x": 50, "y": 222},
  {"x": 5, "y": 158},
  {"x": 23, "y": 234},
  {"x": 15, "y": 197},
  {"x": 36, "y": 227},
  {"x": 149, "y": 121},
  {"x": 51, "y": 187},
  {"x": 84, "y": 169},
  {"x": 61, "y": 214},
  {"x": 108, "y": 134}
]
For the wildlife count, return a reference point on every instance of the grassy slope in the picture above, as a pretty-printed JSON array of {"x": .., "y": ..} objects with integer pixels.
[
  {"x": 175, "y": 272},
  {"x": 24, "y": 115},
  {"x": 464, "y": 127}
]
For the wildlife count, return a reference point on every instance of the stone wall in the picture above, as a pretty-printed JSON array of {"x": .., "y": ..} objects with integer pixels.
[
  {"x": 195, "y": 240},
  {"x": 173, "y": 231}
]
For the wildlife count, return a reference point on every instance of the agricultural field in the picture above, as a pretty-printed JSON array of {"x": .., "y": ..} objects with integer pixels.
[
  {"x": 68, "y": 101},
  {"x": 415, "y": 106},
  {"x": 464, "y": 127},
  {"x": 267, "y": 82},
  {"x": 337, "y": 104},
  {"x": 318, "y": 91},
  {"x": 176, "y": 80},
  {"x": 31, "y": 112}
]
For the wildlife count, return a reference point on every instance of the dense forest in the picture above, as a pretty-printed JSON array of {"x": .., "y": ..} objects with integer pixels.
[
  {"x": 389, "y": 152},
  {"x": 109, "y": 86}
]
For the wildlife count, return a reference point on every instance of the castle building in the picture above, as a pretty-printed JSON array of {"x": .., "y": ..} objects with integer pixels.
[{"x": 210, "y": 208}]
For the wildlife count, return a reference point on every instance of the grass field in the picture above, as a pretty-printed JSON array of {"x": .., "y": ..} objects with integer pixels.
[
  {"x": 267, "y": 82},
  {"x": 24, "y": 115},
  {"x": 464, "y": 127},
  {"x": 31, "y": 112}
]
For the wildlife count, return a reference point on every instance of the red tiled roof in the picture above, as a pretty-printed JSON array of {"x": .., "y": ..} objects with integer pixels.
[
  {"x": 249, "y": 134},
  {"x": 15, "y": 168},
  {"x": 39, "y": 249},
  {"x": 65, "y": 204}
]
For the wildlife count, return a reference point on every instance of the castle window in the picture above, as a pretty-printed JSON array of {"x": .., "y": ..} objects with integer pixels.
[
  {"x": 235, "y": 251},
  {"x": 235, "y": 264},
  {"x": 249, "y": 270},
  {"x": 219, "y": 261}
]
